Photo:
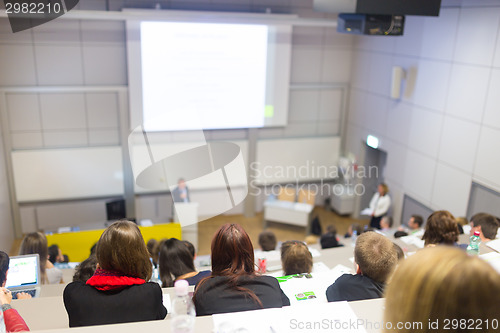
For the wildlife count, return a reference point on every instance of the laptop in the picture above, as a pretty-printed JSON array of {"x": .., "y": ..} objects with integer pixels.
[{"x": 24, "y": 275}]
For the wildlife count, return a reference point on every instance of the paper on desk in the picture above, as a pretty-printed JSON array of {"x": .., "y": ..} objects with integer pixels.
[
  {"x": 313, "y": 317},
  {"x": 167, "y": 303},
  {"x": 494, "y": 244},
  {"x": 413, "y": 240},
  {"x": 366, "y": 211},
  {"x": 493, "y": 258}
]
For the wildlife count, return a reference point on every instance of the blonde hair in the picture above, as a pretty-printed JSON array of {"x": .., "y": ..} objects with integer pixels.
[
  {"x": 376, "y": 256},
  {"x": 385, "y": 188},
  {"x": 444, "y": 284},
  {"x": 36, "y": 242}
]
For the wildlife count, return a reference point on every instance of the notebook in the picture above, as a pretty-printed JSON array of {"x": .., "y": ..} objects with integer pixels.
[{"x": 24, "y": 275}]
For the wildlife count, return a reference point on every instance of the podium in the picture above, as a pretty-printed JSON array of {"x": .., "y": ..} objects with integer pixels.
[{"x": 186, "y": 213}]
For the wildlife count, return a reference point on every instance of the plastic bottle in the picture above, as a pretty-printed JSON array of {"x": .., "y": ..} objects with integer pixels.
[
  {"x": 354, "y": 237},
  {"x": 183, "y": 311},
  {"x": 475, "y": 240},
  {"x": 2, "y": 323}
]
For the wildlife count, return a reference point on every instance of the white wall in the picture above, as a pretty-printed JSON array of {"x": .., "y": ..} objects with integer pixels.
[
  {"x": 444, "y": 133},
  {"x": 6, "y": 235}
]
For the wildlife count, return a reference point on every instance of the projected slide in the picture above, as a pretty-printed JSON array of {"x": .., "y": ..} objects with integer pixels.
[{"x": 203, "y": 76}]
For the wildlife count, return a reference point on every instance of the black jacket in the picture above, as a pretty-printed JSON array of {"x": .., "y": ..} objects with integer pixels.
[
  {"x": 88, "y": 306},
  {"x": 357, "y": 287},
  {"x": 215, "y": 295}
]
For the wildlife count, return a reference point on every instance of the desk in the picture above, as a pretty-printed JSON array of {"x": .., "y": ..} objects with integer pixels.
[{"x": 296, "y": 213}]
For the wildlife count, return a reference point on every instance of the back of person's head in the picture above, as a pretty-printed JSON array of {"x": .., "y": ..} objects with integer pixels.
[
  {"x": 329, "y": 239},
  {"x": 175, "y": 260},
  {"x": 232, "y": 251},
  {"x": 33, "y": 243},
  {"x": 190, "y": 247},
  {"x": 85, "y": 269},
  {"x": 296, "y": 258},
  {"x": 441, "y": 228},
  {"x": 4, "y": 267},
  {"x": 375, "y": 256},
  {"x": 386, "y": 222},
  {"x": 53, "y": 253},
  {"x": 488, "y": 224},
  {"x": 92, "y": 249},
  {"x": 267, "y": 240},
  {"x": 153, "y": 248},
  {"x": 232, "y": 257},
  {"x": 442, "y": 283},
  {"x": 418, "y": 220},
  {"x": 121, "y": 248}
]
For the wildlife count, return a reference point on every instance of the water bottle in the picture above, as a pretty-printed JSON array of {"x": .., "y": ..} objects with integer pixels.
[
  {"x": 183, "y": 311},
  {"x": 354, "y": 236},
  {"x": 475, "y": 240},
  {"x": 2, "y": 323}
]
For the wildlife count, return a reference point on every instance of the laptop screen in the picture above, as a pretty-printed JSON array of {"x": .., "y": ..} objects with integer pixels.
[{"x": 23, "y": 271}]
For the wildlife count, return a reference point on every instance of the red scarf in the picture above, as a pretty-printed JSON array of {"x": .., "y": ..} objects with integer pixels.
[{"x": 112, "y": 280}]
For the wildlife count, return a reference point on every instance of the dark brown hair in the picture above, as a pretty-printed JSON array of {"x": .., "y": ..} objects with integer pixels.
[
  {"x": 36, "y": 242},
  {"x": 488, "y": 223},
  {"x": 153, "y": 249},
  {"x": 376, "y": 256},
  {"x": 296, "y": 258},
  {"x": 232, "y": 257},
  {"x": 4, "y": 266},
  {"x": 267, "y": 240},
  {"x": 441, "y": 228},
  {"x": 121, "y": 248},
  {"x": 85, "y": 269},
  {"x": 175, "y": 260}
]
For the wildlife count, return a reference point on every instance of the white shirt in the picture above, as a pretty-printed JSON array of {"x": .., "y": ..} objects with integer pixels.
[{"x": 380, "y": 205}]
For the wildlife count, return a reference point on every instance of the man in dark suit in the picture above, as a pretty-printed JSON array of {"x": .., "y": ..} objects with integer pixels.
[{"x": 181, "y": 192}]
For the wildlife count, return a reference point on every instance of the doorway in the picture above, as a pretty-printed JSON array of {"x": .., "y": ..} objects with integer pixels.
[{"x": 372, "y": 173}]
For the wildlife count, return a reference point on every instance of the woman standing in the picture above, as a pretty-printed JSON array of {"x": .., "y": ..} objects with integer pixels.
[{"x": 379, "y": 205}]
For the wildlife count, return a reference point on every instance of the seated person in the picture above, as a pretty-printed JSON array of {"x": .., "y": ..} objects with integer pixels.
[
  {"x": 86, "y": 269},
  {"x": 461, "y": 222},
  {"x": 353, "y": 227},
  {"x": 190, "y": 247},
  {"x": 386, "y": 223},
  {"x": 234, "y": 284},
  {"x": 267, "y": 240},
  {"x": 399, "y": 252},
  {"x": 118, "y": 292},
  {"x": 177, "y": 263},
  {"x": 153, "y": 250},
  {"x": 375, "y": 259},
  {"x": 441, "y": 228},
  {"x": 13, "y": 321},
  {"x": 486, "y": 224},
  {"x": 329, "y": 239},
  {"x": 414, "y": 225},
  {"x": 36, "y": 242},
  {"x": 295, "y": 258},
  {"x": 55, "y": 254},
  {"x": 442, "y": 284}
]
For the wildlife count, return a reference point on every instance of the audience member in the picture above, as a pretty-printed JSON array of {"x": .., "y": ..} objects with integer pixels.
[
  {"x": 442, "y": 285},
  {"x": 177, "y": 263},
  {"x": 296, "y": 258},
  {"x": 414, "y": 226},
  {"x": 386, "y": 223},
  {"x": 234, "y": 284},
  {"x": 311, "y": 239},
  {"x": 36, "y": 242},
  {"x": 118, "y": 292},
  {"x": 267, "y": 240},
  {"x": 441, "y": 228},
  {"x": 153, "y": 250},
  {"x": 461, "y": 223},
  {"x": 354, "y": 227},
  {"x": 486, "y": 224},
  {"x": 329, "y": 239},
  {"x": 379, "y": 205},
  {"x": 399, "y": 252},
  {"x": 13, "y": 321},
  {"x": 86, "y": 269},
  {"x": 375, "y": 258},
  {"x": 55, "y": 254}
]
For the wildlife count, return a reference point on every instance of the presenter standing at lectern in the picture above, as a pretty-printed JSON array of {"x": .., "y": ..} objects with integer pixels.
[
  {"x": 379, "y": 205},
  {"x": 181, "y": 192}
]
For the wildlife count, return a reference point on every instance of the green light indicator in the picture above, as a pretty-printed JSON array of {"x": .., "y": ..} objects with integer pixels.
[{"x": 269, "y": 111}]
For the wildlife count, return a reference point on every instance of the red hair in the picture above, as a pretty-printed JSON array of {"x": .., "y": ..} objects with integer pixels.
[{"x": 233, "y": 257}]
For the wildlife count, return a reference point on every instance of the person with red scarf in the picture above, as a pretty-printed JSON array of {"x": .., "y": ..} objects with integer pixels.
[{"x": 119, "y": 291}]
